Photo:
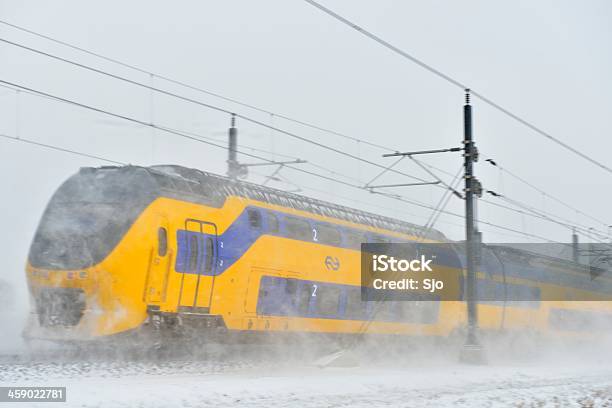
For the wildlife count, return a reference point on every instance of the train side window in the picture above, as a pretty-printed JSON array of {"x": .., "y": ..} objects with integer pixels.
[
  {"x": 355, "y": 307},
  {"x": 327, "y": 234},
  {"x": 328, "y": 300},
  {"x": 254, "y": 218},
  {"x": 298, "y": 228},
  {"x": 272, "y": 223},
  {"x": 304, "y": 294},
  {"x": 209, "y": 254},
  {"x": 291, "y": 286},
  {"x": 193, "y": 253},
  {"x": 162, "y": 241},
  {"x": 354, "y": 239}
]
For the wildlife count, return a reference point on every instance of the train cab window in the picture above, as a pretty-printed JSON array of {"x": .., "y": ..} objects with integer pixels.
[
  {"x": 210, "y": 250},
  {"x": 326, "y": 234},
  {"x": 328, "y": 300},
  {"x": 254, "y": 218},
  {"x": 162, "y": 241},
  {"x": 354, "y": 239},
  {"x": 272, "y": 223},
  {"x": 193, "y": 253},
  {"x": 298, "y": 228}
]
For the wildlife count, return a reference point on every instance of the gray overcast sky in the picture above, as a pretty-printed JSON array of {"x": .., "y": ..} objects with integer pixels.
[{"x": 549, "y": 61}]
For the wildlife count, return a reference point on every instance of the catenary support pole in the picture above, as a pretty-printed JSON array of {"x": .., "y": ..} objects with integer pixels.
[{"x": 472, "y": 351}]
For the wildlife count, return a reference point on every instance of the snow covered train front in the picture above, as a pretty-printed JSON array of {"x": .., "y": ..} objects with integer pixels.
[{"x": 119, "y": 248}]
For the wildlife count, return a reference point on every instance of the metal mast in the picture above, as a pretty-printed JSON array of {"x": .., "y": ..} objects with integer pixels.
[{"x": 472, "y": 351}]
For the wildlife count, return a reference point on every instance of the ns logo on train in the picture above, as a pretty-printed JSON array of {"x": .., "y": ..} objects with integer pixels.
[{"x": 332, "y": 263}]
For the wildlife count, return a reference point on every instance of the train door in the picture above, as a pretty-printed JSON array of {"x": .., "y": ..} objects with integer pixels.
[
  {"x": 160, "y": 260},
  {"x": 198, "y": 249}
]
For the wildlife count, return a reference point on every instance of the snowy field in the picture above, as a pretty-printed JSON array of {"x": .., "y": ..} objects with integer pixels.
[{"x": 256, "y": 382}]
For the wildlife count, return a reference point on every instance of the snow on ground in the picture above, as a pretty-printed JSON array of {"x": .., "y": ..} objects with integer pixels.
[{"x": 288, "y": 384}]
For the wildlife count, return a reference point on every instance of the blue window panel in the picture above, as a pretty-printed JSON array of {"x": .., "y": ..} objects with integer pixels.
[
  {"x": 182, "y": 256},
  {"x": 272, "y": 299},
  {"x": 184, "y": 244}
]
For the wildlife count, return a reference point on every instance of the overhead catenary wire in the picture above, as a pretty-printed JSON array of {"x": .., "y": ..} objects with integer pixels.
[
  {"x": 527, "y": 211},
  {"x": 217, "y": 108},
  {"x": 416, "y": 203},
  {"x": 541, "y": 191},
  {"x": 534, "y": 213},
  {"x": 385, "y": 169},
  {"x": 61, "y": 149},
  {"x": 120, "y": 163},
  {"x": 536, "y": 188},
  {"x": 247, "y": 147},
  {"x": 193, "y": 136},
  {"x": 197, "y": 139},
  {"x": 539, "y": 214},
  {"x": 338, "y": 151},
  {"x": 586, "y": 231},
  {"x": 210, "y": 106},
  {"x": 567, "y": 223},
  {"x": 194, "y": 87},
  {"x": 272, "y": 114},
  {"x": 458, "y": 84},
  {"x": 187, "y": 135},
  {"x": 445, "y": 198},
  {"x": 320, "y": 167}
]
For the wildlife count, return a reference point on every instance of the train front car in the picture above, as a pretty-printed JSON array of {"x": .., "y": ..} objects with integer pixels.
[
  {"x": 194, "y": 253},
  {"x": 88, "y": 260}
]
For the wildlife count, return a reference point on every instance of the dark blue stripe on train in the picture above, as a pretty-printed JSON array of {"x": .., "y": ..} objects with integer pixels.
[
  {"x": 506, "y": 294},
  {"x": 280, "y": 296},
  {"x": 254, "y": 222}
]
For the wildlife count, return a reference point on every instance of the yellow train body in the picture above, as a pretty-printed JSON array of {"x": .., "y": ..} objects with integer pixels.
[{"x": 139, "y": 276}]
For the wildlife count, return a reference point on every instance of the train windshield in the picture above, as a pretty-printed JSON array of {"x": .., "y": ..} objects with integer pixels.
[{"x": 88, "y": 215}]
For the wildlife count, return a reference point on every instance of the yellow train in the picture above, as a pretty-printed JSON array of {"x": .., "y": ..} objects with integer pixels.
[{"x": 121, "y": 248}]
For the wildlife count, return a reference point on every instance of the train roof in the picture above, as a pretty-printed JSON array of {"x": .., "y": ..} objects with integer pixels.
[{"x": 196, "y": 185}]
